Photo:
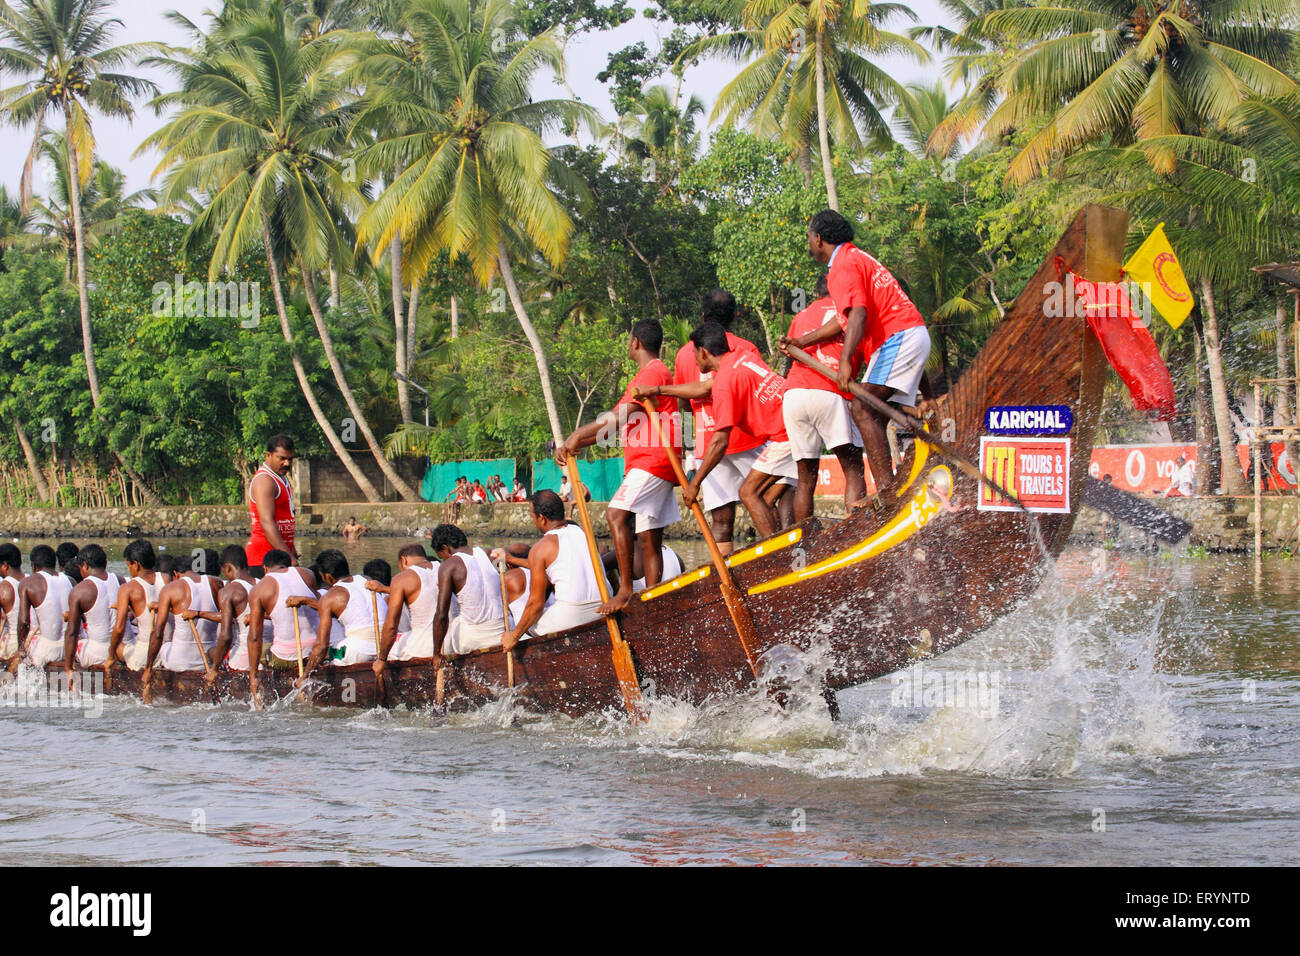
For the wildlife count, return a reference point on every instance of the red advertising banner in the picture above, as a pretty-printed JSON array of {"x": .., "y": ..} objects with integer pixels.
[
  {"x": 1036, "y": 471},
  {"x": 1139, "y": 469}
]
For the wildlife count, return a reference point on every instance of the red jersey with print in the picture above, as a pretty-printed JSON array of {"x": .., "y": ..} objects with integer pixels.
[
  {"x": 854, "y": 279},
  {"x": 828, "y": 353},
  {"x": 685, "y": 371},
  {"x": 640, "y": 448},
  {"x": 747, "y": 397},
  {"x": 283, "y": 516}
]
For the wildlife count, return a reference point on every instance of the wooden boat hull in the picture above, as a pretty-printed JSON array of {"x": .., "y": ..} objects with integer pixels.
[{"x": 876, "y": 592}]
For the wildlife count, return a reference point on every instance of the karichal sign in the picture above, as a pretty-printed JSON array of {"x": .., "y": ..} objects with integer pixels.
[
  {"x": 1028, "y": 420},
  {"x": 1035, "y": 471}
]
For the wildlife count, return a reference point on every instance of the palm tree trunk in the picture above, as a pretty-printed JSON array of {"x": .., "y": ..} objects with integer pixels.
[
  {"x": 1287, "y": 411},
  {"x": 804, "y": 158},
  {"x": 399, "y": 330},
  {"x": 455, "y": 319},
  {"x": 1234, "y": 482},
  {"x": 336, "y": 295},
  {"x": 42, "y": 486},
  {"x": 277, "y": 291},
  {"x": 823, "y": 134},
  {"x": 83, "y": 298},
  {"x": 412, "y": 325},
  {"x": 1207, "y": 461},
  {"x": 83, "y": 291},
  {"x": 543, "y": 371},
  {"x": 331, "y": 356}
]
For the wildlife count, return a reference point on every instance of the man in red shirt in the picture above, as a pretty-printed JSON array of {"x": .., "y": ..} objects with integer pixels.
[
  {"x": 644, "y": 503},
  {"x": 817, "y": 413},
  {"x": 270, "y": 505},
  {"x": 721, "y": 490},
  {"x": 882, "y": 329},
  {"x": 747, "y": 397}
]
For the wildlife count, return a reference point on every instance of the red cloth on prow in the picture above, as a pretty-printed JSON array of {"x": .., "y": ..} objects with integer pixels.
[{"x": 1128, "y": 345}]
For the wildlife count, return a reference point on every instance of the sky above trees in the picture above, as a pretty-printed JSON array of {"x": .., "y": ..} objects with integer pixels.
[{"x": 146, "y": 20}]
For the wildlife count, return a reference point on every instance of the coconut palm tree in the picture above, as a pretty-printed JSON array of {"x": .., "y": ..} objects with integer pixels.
[
  {"x": 103, "y": 201},
  {"x": 63, "y": 49},
  {"x": 811, "y": 59},
  {"x": 664, "y": 129},
  {"x": 476, "y": 174},
  {"x": 262, "y": 121},
  {"x": 1130, "y": 71}
]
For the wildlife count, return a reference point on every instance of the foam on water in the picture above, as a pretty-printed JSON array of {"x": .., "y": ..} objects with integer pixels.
[{"x": 1071, "y": 678}]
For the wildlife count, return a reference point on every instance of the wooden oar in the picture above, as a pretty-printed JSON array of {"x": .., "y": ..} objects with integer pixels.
[
  {"x": 505, "y": 621},
  {"x": 731, "y": 595},
  {"x": 297, "y": 639},
  {"x": 908, "y": 422},
  {"x": 623, "y": 666},
  {"x": 380, "y": 695},
  {"x": 207, "y": 667}
]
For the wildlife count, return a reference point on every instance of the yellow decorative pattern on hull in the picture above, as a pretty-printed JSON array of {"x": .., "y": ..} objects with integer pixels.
[
  {"x": 916, "y": 514},
  {"x": 690, "y": 577},
  {"x": 767, "y": 547}
]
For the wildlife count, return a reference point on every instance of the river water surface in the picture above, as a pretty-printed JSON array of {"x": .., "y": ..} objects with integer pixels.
[{"x": 1140, "y": 711}]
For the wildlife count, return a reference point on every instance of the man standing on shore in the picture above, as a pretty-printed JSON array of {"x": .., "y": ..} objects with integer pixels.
[{"x": 270, "y": 506}]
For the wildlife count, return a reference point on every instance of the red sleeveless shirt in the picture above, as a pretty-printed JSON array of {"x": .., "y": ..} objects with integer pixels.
[{"x": 283, "y": 517}]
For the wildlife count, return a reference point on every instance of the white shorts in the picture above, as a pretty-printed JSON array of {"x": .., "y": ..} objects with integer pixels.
[
  {"x": 721, "y": 486},
  {"x": 649, "y": 497},
  {"x": 900, "y": 362},
  {"x": 777, "y": 460},
  {"x": 816, "y": 418}
]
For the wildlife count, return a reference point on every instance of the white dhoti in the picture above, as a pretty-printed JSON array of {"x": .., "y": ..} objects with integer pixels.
[
  {"x": 412, "y": 645},
  {"x": 43, "y": 651},
  {"x": 90, "y": 653},
  {"x": 177, "y": 657},
  {"x": 135, "y": 653},
  {"x": 563, "y": 615},
  {"x": 463, "y": 637},
  {"x": 357, "y": 646},
  {"x": 8, "y": 644}
]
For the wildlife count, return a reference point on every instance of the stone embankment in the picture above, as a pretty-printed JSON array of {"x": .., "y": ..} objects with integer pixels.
[{"x": 1219, "y": 523}]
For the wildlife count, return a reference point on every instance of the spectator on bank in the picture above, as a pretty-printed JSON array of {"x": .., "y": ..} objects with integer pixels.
[
  {"x": 1182, "y": 481},
  {"x": 520, "y": 493}
]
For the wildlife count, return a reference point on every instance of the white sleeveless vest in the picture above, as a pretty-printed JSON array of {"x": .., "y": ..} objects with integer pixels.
[
  {"x": 99, "y": 619},
  {"x": 48, "y": 615},
  {"x": 571, "y": 573},
  {"x": 283, "y": 644},
  {"x": 184, "y": 654},
  {"x": 480, "y": 598}
]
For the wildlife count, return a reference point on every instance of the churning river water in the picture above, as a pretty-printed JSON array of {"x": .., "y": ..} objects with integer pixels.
[{"x": 1137, "y": 711}]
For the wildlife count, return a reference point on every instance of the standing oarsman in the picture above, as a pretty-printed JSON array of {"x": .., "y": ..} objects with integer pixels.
[
  {"x": 644, "y": 504},
  {"x": 882, "y": 328},
  {"x": 42, "y": 601},
  {"x": 270, "y": 505},
  {"x": 137, "y": 600},
  {"x": 467, "y": 576},
  {"x": 414, "y": 589},
  {"x": 690, "y": 383},
  {"x": 817, "y": 414},
  {"x": 92, "y": 602},
  {"x": 346, "y": 628},
  {"x": 560, "y": 561},
  {"x": 267, "y": 602},
  {"x": 192, "y": 590},
  {"x": 747, "y": 398},
  {"x": 232, "y": 612},
  {"x": 11, "y": 576}
]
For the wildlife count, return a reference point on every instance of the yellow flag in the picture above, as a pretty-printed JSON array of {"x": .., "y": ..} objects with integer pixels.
[{"x": 1156, "y": 267}]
